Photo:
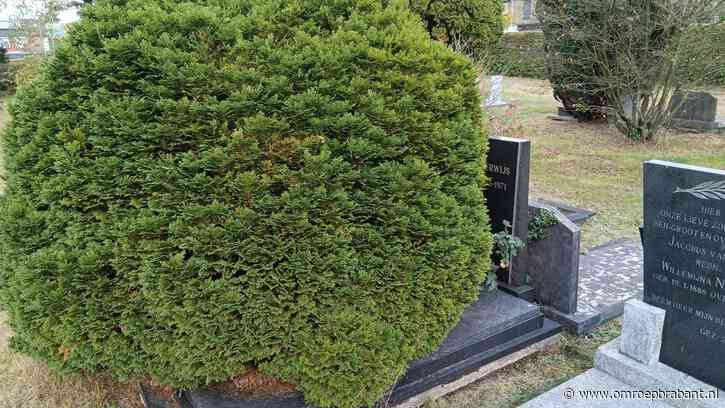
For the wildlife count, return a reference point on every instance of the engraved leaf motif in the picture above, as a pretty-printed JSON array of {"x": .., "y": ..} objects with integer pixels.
[
  {"x": 708, "y": 184},
  {"x": 709, "y": 190},
  {"x": 718, "y": 185}
]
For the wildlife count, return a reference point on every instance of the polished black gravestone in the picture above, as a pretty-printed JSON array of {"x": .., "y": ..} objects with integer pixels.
[
  {"x": 507, "y": 195},
  {"x": 684, "y": 265},
  {"x": 494, "y": 327}
]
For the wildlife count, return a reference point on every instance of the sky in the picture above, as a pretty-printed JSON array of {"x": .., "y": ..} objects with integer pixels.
[{"x": 67, "y": 16}]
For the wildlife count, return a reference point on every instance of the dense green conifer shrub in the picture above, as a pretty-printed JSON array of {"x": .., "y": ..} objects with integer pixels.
[{"x": 196, "y": 187}]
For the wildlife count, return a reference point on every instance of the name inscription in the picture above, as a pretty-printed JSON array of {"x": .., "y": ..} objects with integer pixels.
[{"x": 693, "y": 236}]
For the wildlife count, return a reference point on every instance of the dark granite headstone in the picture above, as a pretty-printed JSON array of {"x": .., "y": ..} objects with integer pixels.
[
  {"x": 552, "y": 263},
  {"x": 684, "y": 265},
  {"x": 694, "y": 110},
  {"x": 507, "y": 195}
]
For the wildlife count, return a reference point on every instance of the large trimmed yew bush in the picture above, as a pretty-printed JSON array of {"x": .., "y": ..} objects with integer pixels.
[{"x": 197, "y": 187}]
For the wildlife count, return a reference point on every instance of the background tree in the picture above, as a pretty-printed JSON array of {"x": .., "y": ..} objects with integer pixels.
[
  {"x": 709, "y": 68},
  {"x": 476, "y": 25},
  {"x": 36, "y": 20},
  {"x": 5, "y": 72},
  {"x": 569, "y": 77},
  {"x": 621, "y": 58}
]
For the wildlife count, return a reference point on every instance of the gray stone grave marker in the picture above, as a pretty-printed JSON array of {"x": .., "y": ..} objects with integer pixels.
[
  {"x": 552, "y": 263},
  {"x": 695, "y": 110}
]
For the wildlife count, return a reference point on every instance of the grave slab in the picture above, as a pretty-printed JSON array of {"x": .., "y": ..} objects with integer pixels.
[
  {"x": 695, "y": 111},
  {"x": 495, "y": 97},
  {"x": 643, "y": 380},
  {"x": 672, "y": 347},
  {"x": 575, "y": 214},
  {"x": 507, "y": 195}
]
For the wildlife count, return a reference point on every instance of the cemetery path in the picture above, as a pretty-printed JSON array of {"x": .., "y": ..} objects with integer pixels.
[{"x": 609, "y": 275}]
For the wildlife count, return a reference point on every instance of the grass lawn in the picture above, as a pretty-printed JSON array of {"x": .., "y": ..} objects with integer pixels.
[{"x": 590, "y": 166}]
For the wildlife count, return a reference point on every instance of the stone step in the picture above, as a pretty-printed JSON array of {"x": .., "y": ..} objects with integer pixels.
[
  {"x": 569, "y": 394},
  {"x": 656, "y": 376}
]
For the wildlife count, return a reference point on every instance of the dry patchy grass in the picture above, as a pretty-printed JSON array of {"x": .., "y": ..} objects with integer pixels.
[{"x": 25, "y": 383}]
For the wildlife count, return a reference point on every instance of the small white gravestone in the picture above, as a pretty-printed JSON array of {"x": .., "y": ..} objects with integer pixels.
[
  {"x": 642, "y": 333},
  {"x": 495, "y": 98}
]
